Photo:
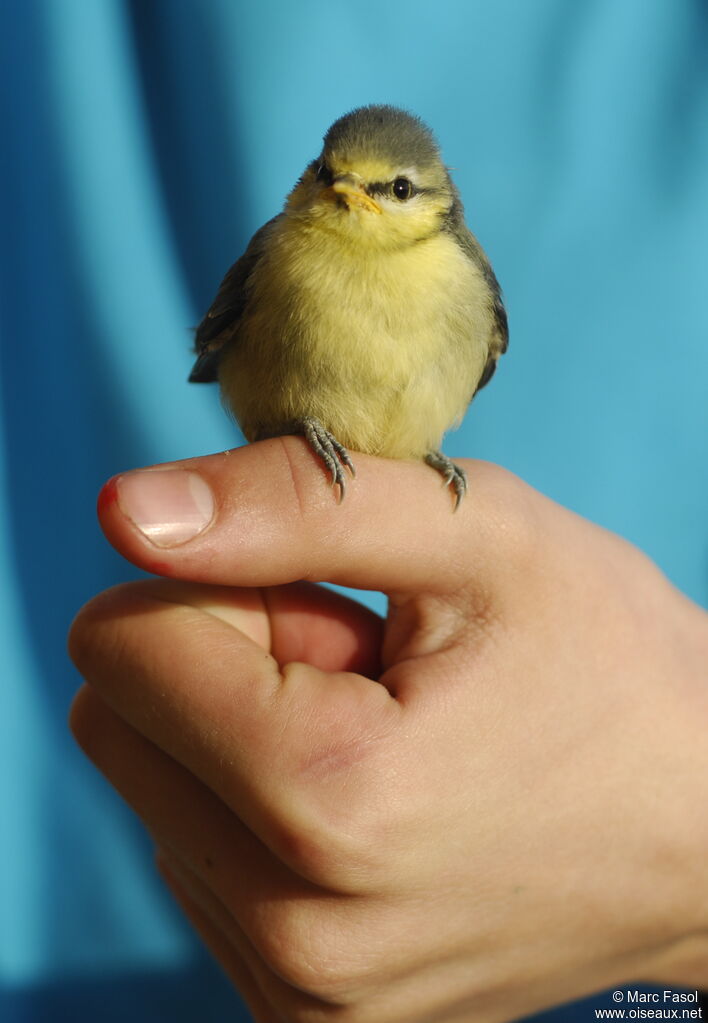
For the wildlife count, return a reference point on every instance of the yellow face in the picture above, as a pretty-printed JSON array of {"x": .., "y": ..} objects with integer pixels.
[{"x": 370, "y": 202}]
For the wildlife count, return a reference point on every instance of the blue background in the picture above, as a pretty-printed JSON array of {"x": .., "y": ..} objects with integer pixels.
[{"x": 143, "y": 143}]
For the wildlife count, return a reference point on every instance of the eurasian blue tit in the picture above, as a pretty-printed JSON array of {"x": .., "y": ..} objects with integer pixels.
[{"x": 365, "y": 316}]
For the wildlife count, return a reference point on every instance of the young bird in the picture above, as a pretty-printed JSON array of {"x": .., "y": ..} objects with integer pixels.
[{"x": 365, "y": 315}]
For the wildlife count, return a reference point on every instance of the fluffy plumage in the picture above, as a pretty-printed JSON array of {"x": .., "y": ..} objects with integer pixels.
[{"x": 366, "y": 308}]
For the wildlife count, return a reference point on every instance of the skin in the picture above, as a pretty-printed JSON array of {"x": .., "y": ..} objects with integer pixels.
[{"x": 490, "y": 804}]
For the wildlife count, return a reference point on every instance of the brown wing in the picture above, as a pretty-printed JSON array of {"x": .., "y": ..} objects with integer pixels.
[
  {"x": 499, "y": 342},
  {"x": 225, "y": 311}
]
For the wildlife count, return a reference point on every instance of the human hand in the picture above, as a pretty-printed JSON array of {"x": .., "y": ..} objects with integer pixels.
[{"x": 491, "y": 804}]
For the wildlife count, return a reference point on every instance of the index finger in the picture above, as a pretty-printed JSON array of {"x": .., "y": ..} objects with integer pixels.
[{"x": 264, "y": 515}]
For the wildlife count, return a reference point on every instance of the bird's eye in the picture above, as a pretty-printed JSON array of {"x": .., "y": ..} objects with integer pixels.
[
  {"x": 324, "y": 174},
  {"x": 402, "y": 189}
]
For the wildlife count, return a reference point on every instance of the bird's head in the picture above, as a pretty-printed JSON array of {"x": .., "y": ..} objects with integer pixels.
[{"x": 379, "y": 181}]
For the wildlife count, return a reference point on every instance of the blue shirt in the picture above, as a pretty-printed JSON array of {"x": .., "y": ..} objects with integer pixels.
[{"x": 143, "y": 145}]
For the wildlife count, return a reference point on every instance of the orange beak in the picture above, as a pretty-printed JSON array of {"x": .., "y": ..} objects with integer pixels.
[{"x": 351, "y": 192}]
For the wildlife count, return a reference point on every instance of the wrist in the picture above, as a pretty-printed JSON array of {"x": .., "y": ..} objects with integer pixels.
[{"x": 684, "y": 961}]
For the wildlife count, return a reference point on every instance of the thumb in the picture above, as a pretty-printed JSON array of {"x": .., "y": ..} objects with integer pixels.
[{"x": 264, "y": 515}]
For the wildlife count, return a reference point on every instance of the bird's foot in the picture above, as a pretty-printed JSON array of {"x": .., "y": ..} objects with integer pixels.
[
  {"x": 453, "y": 475},
  {"x": 334, "y": 455}
]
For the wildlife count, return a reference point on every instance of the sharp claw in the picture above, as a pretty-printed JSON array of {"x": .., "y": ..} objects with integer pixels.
[
  {"x": 452, "y": 475},
  {"x": 334, "y": 455},
  {"x": 342, "y": 454}
]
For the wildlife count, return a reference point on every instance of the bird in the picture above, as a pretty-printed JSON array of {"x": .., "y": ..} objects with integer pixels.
[{"x": 365, "y": 316}]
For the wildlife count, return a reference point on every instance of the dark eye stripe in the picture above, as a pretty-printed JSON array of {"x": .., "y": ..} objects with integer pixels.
[
  {"x": 387, "y": 188},
  {"x": 324, "y": 174}
]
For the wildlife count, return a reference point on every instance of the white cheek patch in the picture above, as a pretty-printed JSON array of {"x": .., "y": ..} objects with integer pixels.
[
  {"x": 403, "y": 207},
  {"x": 400, "y": 207}
]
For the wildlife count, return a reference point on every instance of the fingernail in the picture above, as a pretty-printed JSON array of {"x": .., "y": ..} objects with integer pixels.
[{"x": 169, "y": 506}]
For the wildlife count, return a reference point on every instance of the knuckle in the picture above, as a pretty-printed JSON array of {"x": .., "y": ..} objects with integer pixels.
[
  {"x": 86, "y": 636},
  {"x": 96, "y": 638},
  {"x": 307, "y": 945},
  {"x": 514, "y": 515},
  {"x": 83, "y": 719},
  {"x": 338, "y": 854}
]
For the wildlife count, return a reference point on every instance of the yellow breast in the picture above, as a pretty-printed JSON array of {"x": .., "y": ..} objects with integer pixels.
[{"x": 384, "y": 348}]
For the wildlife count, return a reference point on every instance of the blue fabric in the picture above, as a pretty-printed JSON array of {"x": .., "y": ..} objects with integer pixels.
[{"x": 143, "y": 143}]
